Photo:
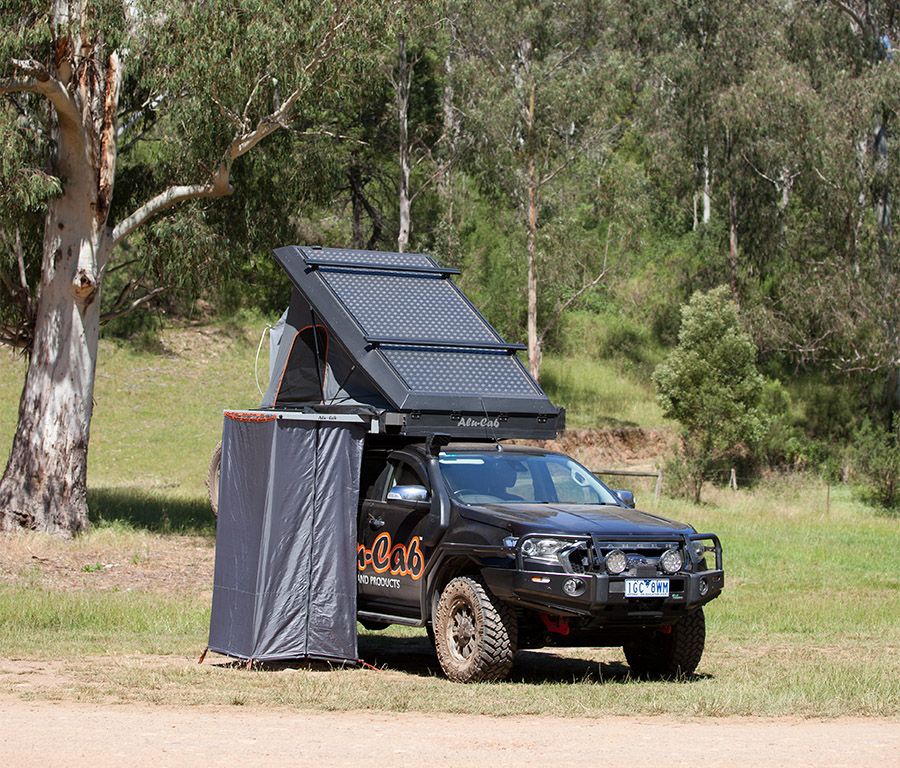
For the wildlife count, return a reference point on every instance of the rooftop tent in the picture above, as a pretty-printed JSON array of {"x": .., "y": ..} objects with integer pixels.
[
  {"x": 285, "y": 571},
  {"x": 392, "y": 331},
  {"x": 309, "y": 367}
]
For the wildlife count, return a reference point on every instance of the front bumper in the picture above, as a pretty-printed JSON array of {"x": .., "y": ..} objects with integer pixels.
[{"x": 603, "y": 596}]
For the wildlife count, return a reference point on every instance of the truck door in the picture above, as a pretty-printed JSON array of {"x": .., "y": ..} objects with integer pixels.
[{"x": 390, "y": 549}]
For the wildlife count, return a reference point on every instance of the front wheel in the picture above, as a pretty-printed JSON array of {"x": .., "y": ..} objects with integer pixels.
[
  {"x": 475, "y": 634},
  {"x": 674, "y": 653}
]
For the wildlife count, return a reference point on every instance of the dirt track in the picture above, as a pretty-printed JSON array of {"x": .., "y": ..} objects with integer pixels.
[{"x": 70, "y": 734}]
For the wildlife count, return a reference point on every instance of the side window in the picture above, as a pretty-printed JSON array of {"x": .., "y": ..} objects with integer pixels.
[
  {"x": 374, "y": 476},
  {"x": 406, "y": 474}
]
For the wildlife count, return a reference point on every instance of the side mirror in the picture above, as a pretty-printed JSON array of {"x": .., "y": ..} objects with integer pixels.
[
  {"x": 408, "y": 493},
  {"x": 627, "y": 498}
]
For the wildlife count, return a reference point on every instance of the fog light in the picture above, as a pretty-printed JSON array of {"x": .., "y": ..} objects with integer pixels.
[
  {"x": 573, "y": 587},
  {"x": 703, "y": 586},
  {"x": 671, "y": 561},
  {"x": 616, "y": 561}
]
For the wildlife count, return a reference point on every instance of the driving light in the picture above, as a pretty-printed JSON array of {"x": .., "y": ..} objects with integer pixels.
[
  {"x": 671, "y": 561},
  {"x": 573, "y": 587},
  {"x": 543, "y": 549},
  {"x": 616, "y": 562}
]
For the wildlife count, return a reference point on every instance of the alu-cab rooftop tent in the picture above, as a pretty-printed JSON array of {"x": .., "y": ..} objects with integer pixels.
[
  {"x": 372, "y": 342},
  {"x": 392, "y": 332}
]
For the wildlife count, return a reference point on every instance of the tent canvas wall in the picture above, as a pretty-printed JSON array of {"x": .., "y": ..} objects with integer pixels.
[{"x": 285, "y": 571}]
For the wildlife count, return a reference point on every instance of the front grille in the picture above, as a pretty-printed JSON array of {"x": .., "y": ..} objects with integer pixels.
[{"x": 642, "y": 556}]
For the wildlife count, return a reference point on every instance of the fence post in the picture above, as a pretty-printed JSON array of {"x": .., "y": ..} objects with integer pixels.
[
  {"x": 658, "y": 490},
  {"x": 732, "y": 481}
]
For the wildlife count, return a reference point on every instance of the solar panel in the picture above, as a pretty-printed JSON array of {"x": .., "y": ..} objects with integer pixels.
[{"x": 425, "y": 347}]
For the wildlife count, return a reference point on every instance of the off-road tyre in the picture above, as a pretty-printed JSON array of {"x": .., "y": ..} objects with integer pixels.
[
  {"x": 212, "y": 479},
  {"x": 675, "y": 654},
  {"x": 475, "y": 634}
]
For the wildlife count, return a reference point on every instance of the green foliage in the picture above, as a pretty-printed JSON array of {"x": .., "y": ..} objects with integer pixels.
[
  {"x": 710, "y": 384},
  {"x": 783, "y": 444},
  {"x": 786, "y": 112},
  {"x": 876, "y": 457}
]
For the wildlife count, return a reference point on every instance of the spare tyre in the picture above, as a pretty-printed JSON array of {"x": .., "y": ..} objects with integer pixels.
[{"x": 212, "y": 479}]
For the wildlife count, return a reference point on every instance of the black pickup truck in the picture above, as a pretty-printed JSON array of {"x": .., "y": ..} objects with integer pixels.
[
  {"x": 494, "y": 548},
  {"x": 490, "y": 547}
]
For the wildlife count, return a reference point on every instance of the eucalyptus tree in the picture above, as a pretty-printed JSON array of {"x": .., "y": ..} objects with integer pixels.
[
  {"x": 191, "y": 88},
  {"x": 530, "y": 85}
]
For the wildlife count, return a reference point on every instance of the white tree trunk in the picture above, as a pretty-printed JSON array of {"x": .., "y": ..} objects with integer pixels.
[
  {"x": 707, "y": 186},
  {"x": 733, "y": 255},
  {"x": 534, "y": 342},
  {"x": 404, "y": 76},
  {"x": 44, "y": 486}
]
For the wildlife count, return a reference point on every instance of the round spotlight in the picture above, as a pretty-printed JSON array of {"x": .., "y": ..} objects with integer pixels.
[
  {"x": 671, "y": 561},
  {"x": 704, "y": 587},
  {"x": 616, "y": 562},
  {"x": 573, "y": 587}
]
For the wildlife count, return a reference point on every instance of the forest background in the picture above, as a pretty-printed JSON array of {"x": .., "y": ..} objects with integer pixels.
[{"x": 588, "y": 165}]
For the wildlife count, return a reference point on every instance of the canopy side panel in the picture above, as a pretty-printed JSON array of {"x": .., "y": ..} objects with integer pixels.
[
  {"x": 332, "y": 606},
  {"x": 283, "y": 585},
  {"x": 243, "y": 488}
]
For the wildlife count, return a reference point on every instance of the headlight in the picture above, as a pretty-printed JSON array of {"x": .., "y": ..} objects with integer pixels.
[
  {"x": 699, "y": 549},
  {"x": 543, "y": 549},
  {"x": 616, "y": 561},
  {"x": 671, "y": 561}
]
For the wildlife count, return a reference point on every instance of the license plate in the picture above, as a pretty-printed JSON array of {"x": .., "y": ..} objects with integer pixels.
[{"x": 646, "y": 587}]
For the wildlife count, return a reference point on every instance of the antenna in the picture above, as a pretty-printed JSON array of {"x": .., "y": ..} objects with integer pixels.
[{"x": 487, "y": 421}]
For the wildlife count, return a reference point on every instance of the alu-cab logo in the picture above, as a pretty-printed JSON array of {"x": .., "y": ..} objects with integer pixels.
[
  {"x": 397, "y": 559},
  {"x": 468, "y": 421}
]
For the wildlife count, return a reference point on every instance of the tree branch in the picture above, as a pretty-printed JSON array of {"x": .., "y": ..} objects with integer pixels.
[
  {"x": 112, "y": 315},
  {"x": 37, "y": 79},
  {"x": 851, "y": 12},
  {"x": 575, "y": 296},
  {"x": 219, "y": 184}
]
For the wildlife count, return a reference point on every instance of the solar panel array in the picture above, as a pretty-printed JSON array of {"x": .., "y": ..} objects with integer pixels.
[{"x": 407, "y": 307}]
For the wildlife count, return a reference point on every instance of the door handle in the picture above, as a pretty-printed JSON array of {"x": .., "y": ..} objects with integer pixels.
[{"x": 376, "y": 523}]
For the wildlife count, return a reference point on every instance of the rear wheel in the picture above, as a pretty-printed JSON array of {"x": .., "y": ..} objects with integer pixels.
[
  {"x": 475, "y": 634},
  {"x": 212, "y": 479},
  {"x": 669, "y": 654}
]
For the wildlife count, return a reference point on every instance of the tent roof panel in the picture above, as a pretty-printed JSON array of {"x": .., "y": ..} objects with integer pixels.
[
  {"x": 402, "y": 321},
  {"x": 407, "y": 305}
]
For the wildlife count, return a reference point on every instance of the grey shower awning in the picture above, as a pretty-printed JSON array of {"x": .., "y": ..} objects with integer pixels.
[{"x": 285, "y": 571}]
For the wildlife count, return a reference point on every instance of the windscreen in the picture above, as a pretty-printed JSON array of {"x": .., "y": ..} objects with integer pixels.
[{"x": 515, "y": 478}]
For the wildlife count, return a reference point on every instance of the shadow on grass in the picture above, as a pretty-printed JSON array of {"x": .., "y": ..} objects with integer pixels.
[
  {"x": 415, "y": 656},
  {"x": 139, "y": 509}
]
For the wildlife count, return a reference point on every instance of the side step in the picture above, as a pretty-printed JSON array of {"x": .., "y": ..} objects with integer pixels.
[{"x": 386, "y": 618}]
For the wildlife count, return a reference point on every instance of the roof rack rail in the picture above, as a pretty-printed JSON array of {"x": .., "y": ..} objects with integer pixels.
[
  {"x": 315, "y": 263},
  {"x": 378, "y": 341}
]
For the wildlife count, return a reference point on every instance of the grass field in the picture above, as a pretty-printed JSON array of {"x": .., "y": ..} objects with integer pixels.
[
  {"x": 158, "y": 412},
  {"x": 809, "y": 623}
]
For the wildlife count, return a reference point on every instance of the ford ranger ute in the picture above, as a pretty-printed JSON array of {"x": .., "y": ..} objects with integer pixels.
[
  {"x": 496, "y": 548},
  {"x": 491, "y": 548}
]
